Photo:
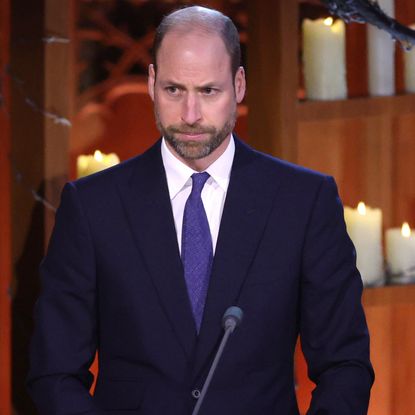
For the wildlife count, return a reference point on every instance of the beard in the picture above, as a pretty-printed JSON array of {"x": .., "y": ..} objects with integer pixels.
[{"x": 197, "y": 149}]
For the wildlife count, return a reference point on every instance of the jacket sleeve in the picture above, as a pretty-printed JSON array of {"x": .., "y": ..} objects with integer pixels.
[
  {"x": 333, "y": 330},
  {"x": 65, "y": 337}
]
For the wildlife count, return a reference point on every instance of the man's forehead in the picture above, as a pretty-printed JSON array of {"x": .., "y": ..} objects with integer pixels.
[
  {"x": 181, "y": 36},
  {"x": 193, "y": 49}
]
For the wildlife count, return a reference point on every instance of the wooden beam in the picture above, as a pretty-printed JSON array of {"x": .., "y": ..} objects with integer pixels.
[
  {"x": 273, "y": 77},
  {"x": 5, "y": 216},
  {"x": 27, "y": 124},
  {"x": 58, "y": 96},
  {"x": 40, "y": 95}
]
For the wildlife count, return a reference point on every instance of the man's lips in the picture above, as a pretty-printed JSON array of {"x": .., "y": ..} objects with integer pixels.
[{"x": 191, "y": 135}]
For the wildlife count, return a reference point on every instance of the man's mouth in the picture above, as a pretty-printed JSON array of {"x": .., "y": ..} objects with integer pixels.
[{"x": 191, "y": 135}]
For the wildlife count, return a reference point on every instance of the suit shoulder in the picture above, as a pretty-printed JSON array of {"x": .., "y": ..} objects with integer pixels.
[{"x": 284, "y": 170}]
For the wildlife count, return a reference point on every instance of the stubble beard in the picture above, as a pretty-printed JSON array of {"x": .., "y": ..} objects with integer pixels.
[{"x": 195, "y": 150}]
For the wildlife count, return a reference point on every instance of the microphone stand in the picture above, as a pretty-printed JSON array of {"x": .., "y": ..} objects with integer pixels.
[{"x": 231, "y": 318}]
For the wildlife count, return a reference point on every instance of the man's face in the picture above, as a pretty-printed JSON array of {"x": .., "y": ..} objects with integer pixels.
[{"x": 195, "y": 95}]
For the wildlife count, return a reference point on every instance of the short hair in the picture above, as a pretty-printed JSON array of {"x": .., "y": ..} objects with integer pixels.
[{"x": 201, "y": 18}]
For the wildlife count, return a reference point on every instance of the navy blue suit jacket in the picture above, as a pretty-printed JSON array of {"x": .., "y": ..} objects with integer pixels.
[{"x": 113, "y": 282}]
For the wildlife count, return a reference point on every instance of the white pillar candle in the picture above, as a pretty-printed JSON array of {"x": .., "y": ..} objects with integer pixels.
[
  {"x": 400, "y": 252},
  {"x": 364, "y": 226},
  {"x": 88, "y": 164},
  {"x": 324, "y": 58},
  {"x": 381, "y": 55},
  {"x": 409, "y": 62}
]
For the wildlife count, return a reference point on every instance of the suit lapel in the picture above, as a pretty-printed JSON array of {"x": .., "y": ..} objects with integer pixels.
[
  {"x": 248, "y": 204},
  {"x": 147, "y": 204}
]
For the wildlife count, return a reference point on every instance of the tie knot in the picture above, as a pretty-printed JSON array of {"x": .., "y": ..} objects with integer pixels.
[{"x": 199, "y": 180}]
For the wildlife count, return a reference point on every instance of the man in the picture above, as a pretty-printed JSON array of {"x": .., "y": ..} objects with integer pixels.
[{"x": 146, "y": 257}]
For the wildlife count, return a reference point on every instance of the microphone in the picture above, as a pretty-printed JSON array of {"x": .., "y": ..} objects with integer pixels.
[{"x": 230, "y": 320}]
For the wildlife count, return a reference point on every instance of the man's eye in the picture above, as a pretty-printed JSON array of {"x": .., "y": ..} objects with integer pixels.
[
  {"x": 209, "y": 91},
  {"x": 172, "y": 90}
]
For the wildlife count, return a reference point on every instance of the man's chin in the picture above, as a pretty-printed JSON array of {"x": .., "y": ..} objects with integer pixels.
[{"x": 192, "y": 150}]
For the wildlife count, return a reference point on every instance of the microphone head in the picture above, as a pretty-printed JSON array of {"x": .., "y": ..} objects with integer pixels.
[{"x": 232, "y": 318}]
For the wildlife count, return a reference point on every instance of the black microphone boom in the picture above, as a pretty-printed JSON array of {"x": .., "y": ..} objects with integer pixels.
[{"x": 231, "y": 319}]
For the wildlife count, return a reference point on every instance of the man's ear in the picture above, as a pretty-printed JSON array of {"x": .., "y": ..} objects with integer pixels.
[
  {"x": 151, "y": 80},
  {"x": 240, "y": 84}
]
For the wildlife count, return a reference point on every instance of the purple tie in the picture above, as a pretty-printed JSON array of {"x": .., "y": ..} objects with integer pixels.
[{"x": 197, "y": 252}]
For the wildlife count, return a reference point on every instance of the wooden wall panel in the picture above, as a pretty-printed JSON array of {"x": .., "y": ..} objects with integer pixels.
[
  {"x": 356, "y": 63},
  {"x": 390, "y": 312},
  {"x": 27, "y": 152},
  {"x": 59, "y": 84},
  {"x": 335, "y": 148},
  {"x": 41, "y": 81},
  {"x": 403, "y": 359},
  {"x": 358, "y": 152},
  {"x": 404, "y": 173},
  {"x": 272, "y": 77},
  {"x": 5, "y": 220},
  {"x": 405, "y": 13},
  {"x": 378, "y": 165},
  {"x": 379, "y": 319}
]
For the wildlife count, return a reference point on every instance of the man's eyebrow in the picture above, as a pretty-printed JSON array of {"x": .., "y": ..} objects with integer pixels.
[
  {"x": 168, "y": 82},
  {"x": 208, "y": 85}
]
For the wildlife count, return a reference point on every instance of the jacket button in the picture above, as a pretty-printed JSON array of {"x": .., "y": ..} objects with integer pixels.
[{"x": 196, "y": 393}]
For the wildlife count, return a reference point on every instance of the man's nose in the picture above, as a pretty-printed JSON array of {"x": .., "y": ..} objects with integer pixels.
[{"x": 191, "y": 111}]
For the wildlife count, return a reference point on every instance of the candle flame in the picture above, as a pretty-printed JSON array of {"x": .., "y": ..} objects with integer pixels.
[
  {"x": 328, "y": 21},
  {"x": 98, "y": 155},
  {"x": 361, "y": 208},
  {"x": 406, "y": 230}
]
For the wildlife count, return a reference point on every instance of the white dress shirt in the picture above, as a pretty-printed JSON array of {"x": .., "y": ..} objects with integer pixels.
[{"x": 179, "y": 182}]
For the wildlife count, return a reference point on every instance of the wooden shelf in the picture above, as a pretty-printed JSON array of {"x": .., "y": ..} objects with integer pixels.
[
  {"x": 389, "y": 295},
  {"x": 355, "y": 108}
]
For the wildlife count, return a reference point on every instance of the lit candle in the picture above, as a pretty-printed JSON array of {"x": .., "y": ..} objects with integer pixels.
[
  {"x": 400, "y": 252},
  {"x": 324, "y": 59},
  {"x": 381, "y": 56},
  {"x": 409, "y": 58},
  {"x": 88, "y": 164},
  {"x": 364, "y": 226}
]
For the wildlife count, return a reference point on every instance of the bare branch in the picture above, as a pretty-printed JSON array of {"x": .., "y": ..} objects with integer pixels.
[{"x": 369, "y": 11}]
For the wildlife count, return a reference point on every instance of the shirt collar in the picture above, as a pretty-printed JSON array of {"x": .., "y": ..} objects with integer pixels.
[{"x": 178, "y": 174}]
